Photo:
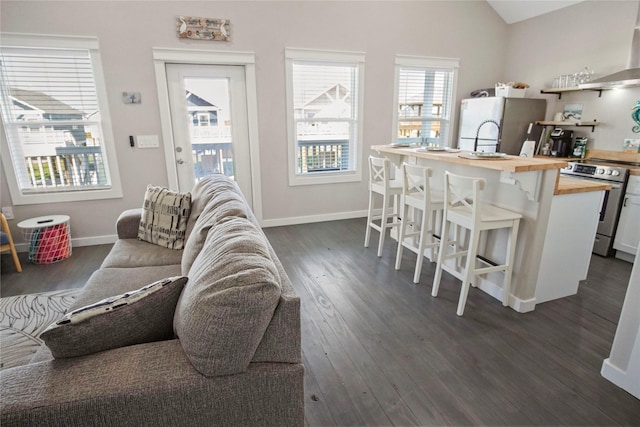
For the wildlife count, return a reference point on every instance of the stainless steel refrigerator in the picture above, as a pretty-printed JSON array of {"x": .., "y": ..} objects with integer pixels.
[{"x": 500, "y": 124}]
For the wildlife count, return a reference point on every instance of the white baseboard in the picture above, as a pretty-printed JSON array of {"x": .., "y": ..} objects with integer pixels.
[
  {"x": 519, "y": 305},
  {"x": 79, "y": 242},
  {"x": 312, "y": 218},
  {"x": 622, "y": 379}
]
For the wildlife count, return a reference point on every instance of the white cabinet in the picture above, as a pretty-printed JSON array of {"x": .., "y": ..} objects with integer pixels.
[{"x": 628, "y": 234}]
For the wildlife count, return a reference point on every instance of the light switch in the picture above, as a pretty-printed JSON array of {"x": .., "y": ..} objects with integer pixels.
[{"x": 148, "y": 141}]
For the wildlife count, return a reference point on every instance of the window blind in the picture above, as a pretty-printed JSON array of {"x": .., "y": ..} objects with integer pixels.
[
  {"x": 325, "y": 111},
  {"x": 425, "y": 95},
  {"x": 52, "y": 119}
]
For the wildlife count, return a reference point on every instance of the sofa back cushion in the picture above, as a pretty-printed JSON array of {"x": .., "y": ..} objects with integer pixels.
[
  {"x": 221, "y": 206},
  {"x": 202, "y": 193},
  {"x": 230, "y": 298}
]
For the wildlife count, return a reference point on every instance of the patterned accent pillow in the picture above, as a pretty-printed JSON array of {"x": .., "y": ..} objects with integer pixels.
[
  {"x": 136, "y": 317},
  {"x": 164, "y": 217}
]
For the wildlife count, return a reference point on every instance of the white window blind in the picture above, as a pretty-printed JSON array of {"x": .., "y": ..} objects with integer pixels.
[
  {"x": 52, "y": 120},
  {"x": 324, "y": 103},
  {"x": 425, "y": 93}
]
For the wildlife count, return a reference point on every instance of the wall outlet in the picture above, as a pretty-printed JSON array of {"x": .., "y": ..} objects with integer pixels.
[{"x": 8, "y": 212}]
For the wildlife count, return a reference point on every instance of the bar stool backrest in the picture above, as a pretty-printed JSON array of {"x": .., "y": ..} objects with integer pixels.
[
  {"x": 379, "y": 173},
  {"x": 462, "y": 194},
  {"x": 416, "y": 182}
]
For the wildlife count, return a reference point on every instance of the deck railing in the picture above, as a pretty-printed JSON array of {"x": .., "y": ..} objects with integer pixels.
[
  {"x": 82, "y": 166},
  {"x": 323, "y": 156},
  {"x": 71, "y": 167}
]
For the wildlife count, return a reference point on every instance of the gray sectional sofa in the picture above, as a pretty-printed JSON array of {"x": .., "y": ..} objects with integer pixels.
[{"x": 236, "y": 355}]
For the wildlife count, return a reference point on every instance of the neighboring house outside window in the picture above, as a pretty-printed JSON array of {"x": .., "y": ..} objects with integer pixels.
[
  {"x": 425, "y": 91},
  {"x": 324, "y": 116},
  {"x": 56, "y": 127}
]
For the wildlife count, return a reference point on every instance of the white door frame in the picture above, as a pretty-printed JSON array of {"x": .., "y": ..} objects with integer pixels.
[{"x": 162, "y": 56}]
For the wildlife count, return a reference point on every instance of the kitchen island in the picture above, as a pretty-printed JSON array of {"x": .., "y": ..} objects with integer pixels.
[{"x": 557, "y": 229}]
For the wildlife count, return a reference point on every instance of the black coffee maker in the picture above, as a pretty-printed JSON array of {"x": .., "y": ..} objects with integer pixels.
[{"x": 561, "y": 142}]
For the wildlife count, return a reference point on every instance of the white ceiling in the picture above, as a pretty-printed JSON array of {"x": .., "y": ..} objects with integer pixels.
[{"x": 519, "y": 10}]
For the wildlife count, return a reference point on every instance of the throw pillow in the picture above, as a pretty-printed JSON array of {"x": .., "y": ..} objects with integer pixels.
[
  {"x": 136, "y": 317},
  {"x": 164, "y": 217},
  {"x": 233, "y": 291}
]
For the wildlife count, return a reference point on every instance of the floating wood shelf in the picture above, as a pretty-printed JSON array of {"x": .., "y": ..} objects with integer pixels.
[
  {"x": 591, "y": 124},
  {"x": 559, "y": 91}
]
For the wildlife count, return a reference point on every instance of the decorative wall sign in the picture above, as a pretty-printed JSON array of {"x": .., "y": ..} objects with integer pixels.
[
  {"x": 131, "y": 97},
  {"x": 190, "y": 27},
  {"x": 635, "y": 115}
]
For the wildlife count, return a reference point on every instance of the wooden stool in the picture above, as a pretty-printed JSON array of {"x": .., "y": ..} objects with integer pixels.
[
  {"x": 6, "y": 243},
  {"x": 462, "y": 207}
]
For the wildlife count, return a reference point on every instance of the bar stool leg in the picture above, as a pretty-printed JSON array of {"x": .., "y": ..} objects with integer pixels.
[
  {"x": 383, "y": 223},
  {"x": 367, "y": 235},
  {"x": 469, "y": 271},
  {"x": 511, "y": 251},
  {"x": 401, "y": 234},
  {"x": 444, "y": 242},
  {"x": 424, "y": 229}
]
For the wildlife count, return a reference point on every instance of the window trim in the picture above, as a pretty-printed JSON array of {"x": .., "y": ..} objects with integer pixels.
[
  {"x": 90, "y": 44},
  {"x": 328, "y": 56},
  {"x": 436, "y": 63}
]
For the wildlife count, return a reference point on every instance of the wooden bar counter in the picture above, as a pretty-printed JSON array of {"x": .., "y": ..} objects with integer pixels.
[{"x": 560, "y": 217}]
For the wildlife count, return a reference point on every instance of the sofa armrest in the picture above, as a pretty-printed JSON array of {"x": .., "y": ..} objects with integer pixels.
[
  {"x": 148, "y": 384},
  {"x": 128, "y": 223}
]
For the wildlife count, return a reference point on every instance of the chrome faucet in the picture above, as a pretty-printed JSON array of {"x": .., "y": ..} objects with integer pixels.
[{"x": 475, "y": 144}]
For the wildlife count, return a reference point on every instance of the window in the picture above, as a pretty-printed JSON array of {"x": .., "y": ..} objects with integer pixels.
[
  {"x": 55, "y": 120},
  {"x": 425, "y": 90},
  {"x": 324, "y": 99}
]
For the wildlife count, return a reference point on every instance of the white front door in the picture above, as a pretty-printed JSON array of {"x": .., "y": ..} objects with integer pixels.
[{"x": 208, "y": 105}]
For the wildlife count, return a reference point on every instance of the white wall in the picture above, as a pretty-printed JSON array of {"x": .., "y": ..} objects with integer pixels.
[
  {"x": 593, "y": 33},
  {"x": 489, "y": 50},
  {"x": 127, "y": 31}
]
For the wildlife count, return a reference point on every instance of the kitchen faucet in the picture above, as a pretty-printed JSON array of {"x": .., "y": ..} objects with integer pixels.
[{"x": 475, "y": 144}]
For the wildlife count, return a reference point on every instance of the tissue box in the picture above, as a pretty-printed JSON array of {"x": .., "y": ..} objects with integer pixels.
[{"x": 510, "y": 92}]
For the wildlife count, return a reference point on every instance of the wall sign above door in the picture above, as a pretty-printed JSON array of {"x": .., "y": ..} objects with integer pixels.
[{"x": 190, "y": 27}]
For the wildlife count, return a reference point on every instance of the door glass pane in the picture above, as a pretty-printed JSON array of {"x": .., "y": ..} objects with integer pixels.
[{"x": 209, "y": 118}]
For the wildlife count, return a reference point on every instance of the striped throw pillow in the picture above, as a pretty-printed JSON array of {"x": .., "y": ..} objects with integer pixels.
[{"x": 164, "y": 217}]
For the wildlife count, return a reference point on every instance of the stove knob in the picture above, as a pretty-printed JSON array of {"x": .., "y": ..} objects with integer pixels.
[
  {"x": 600, "y": 171},
  {"x": 615, "y": 173},
  {"x": 609, "y": 172}
]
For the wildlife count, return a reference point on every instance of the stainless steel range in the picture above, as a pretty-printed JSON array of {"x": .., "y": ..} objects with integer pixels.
[{"x": 617, "y": 176}]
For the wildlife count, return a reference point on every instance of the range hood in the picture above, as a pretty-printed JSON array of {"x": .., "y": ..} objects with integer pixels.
[
  {"x": 625, "y": 78},
  {"x": 621, "y": 79}
]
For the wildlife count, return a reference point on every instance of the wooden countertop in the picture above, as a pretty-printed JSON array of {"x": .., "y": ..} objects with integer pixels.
[
  {"x": 510, "y": 164},
  {"x": 617, "y": 155},
  {"x": 566, "y": 185}
]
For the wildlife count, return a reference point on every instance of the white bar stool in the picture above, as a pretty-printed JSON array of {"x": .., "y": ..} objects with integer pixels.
[
  {"x": 418, "y": 195},
  {"x": 380, "y": 183},
  {"x": 462, "y": 207}
]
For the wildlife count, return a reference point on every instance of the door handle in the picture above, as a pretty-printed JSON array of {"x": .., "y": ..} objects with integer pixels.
[
  {"x": 179, "y": 161},
  {"x": 626, "y": 199}
]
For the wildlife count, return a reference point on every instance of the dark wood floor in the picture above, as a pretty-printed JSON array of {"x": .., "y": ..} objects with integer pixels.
[{"x": 379, "y": 350}]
